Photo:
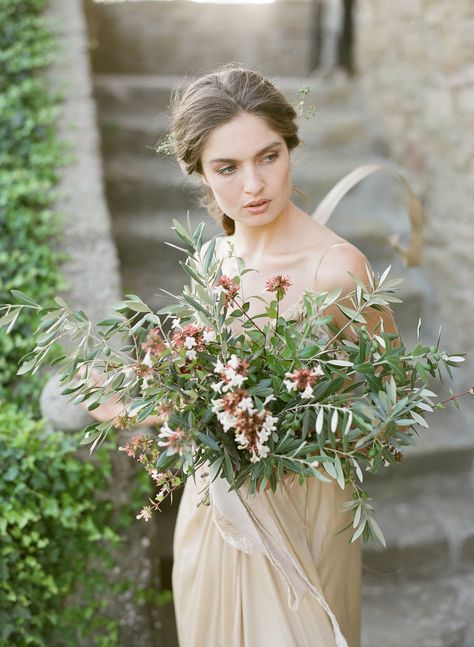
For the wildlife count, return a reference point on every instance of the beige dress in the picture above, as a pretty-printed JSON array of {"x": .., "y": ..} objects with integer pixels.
[{"x": 267, "y": 572}]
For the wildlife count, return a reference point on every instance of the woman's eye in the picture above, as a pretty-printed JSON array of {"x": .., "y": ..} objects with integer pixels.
[
  {"x": 226, "y": 170},
  {"x": 271, "y": 156}
]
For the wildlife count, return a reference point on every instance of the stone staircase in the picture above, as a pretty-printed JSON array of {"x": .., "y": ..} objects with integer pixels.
[{"x": 420, "y": 590}]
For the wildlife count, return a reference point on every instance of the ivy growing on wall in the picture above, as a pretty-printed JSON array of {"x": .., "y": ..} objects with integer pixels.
[
  {"x": 30, "y": 156},
  {"x": 56, "y": 539}
]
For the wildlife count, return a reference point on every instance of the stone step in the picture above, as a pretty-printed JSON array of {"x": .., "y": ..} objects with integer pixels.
[
  {"x": 139, "y": 134},
  {"x": 145, "y": 95},
  {"x": 446, "y": 447},
  {"x": 135, "y": 95},
  {"x": 422, "y": 612},
  {"x": 187, "y": 37},
  {"x": 428, "y": 524},
  {"x": 147, "y": 183},
  {"x": 134, "y": 184}
]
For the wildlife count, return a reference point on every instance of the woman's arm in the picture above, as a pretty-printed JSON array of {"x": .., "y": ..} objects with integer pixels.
[
  {"x": 112, "y": 407},
  {"x": 334, "y": 274}
]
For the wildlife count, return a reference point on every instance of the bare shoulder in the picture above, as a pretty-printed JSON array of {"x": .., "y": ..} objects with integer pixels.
[{"x": 340, "y": 259}]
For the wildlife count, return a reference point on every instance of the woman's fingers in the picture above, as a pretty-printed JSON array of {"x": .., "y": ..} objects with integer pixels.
[{"x": 96, "y": 377}]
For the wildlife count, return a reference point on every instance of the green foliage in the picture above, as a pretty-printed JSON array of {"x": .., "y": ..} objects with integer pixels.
[
  {"x": 54, "y": 537},
  {"x": 296, "y": 365},
  {"x": 30, "y": 154}
]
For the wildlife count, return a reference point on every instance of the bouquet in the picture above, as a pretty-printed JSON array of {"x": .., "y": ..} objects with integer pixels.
[{"x": 255, "y": 402}]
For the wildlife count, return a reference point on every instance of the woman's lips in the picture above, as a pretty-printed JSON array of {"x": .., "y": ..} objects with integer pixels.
[{"x": 260, "y": 208}]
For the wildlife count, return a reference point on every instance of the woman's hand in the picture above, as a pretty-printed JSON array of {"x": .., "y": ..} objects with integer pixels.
[
  {"x": 107, "y": 410},
  {"x": 112, "y": 407}
]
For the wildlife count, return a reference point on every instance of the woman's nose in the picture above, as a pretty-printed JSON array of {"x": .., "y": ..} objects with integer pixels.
[{"x": 252, "y": 181}]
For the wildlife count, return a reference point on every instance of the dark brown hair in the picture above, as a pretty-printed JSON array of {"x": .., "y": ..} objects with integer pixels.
[{"x": 214, "y": 99}]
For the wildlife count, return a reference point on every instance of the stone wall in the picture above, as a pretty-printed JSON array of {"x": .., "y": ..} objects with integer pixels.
[
  {"x": 93, "y": 273},
  {"x": 182, "y": 37},
  {"x": 416, "y": 63}
]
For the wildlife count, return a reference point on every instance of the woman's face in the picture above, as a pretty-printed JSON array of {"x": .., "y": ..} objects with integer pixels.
[{"x": 245, "y": 161}]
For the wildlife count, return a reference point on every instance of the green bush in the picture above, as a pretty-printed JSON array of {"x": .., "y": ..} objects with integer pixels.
[
  {"x": 55, "y": 535},
  {"x": 30, "y": 154},
  {"x": 52, "y": 532}
]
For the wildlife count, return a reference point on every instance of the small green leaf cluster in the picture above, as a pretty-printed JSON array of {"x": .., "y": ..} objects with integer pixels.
[{"x": 301, "y": 109}]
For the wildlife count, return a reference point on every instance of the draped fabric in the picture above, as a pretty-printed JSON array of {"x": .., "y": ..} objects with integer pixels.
[{"x": 228, "y": 592}]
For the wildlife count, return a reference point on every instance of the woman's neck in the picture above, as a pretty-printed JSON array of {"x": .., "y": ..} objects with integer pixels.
[{"x": 277, "y": 237}]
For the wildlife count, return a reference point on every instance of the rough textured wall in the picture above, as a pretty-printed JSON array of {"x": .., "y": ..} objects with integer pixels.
[
  {"x": 183, "y": 37},
  {"x": 416, "y": 62},
  {"x": 92, "y": 269}
]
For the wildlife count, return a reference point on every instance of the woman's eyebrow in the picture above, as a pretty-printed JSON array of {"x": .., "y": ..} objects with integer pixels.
[{"x": 263, "y": 150}]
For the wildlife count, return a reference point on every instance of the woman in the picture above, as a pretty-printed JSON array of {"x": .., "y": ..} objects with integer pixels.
[{"x": 236, "y": 131}]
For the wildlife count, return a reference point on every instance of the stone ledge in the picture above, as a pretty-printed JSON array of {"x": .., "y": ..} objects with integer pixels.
[{"x": 425, "y": 613}]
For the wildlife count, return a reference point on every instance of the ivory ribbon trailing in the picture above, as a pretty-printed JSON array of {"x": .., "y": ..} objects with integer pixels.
[{"x": 246, "y": 523}]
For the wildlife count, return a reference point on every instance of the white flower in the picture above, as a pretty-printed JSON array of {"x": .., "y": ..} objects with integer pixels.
[
  {"x": 307, "y": 393},
  {"x": 236, "y": 380},
  {"x": 217, "y": 387},
  {"x": 264, "y": 451},
  {"x": 229, "y": 372},
  {"x": 176, "y": 323},
  {"x": 318, "y": 370},
  {"x": 209, "y": 335},
  {"x": 219, "y": 367},
  {"x": 268, "y": 399},
  {"x": 240, "y": 438},
  {"x": 246, "y": 404},
  {"x": 165, "y": 430},
  {"x": 147, "y": 359},
  {"x": 145, "y": 513},
  {"x": 290, "y": 385},
  {"x": 270, "y": 423},
  {"x": 190, "y": 342},
  {"x": 217, "y": 405},
  {"x": 263, "y": 435},
  {"x": 227, "y": 421},
  {"x": 234, "y": 361},
  {"x": 191, "y": 354}
]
